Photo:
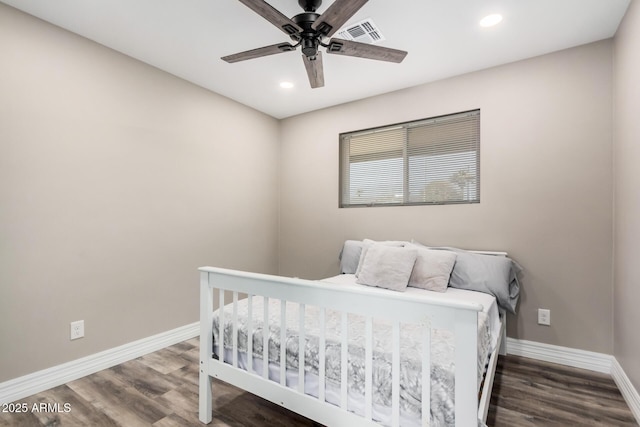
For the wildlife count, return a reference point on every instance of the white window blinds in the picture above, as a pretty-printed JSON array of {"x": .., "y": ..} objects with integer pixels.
[{"x": 430, "y": 161}]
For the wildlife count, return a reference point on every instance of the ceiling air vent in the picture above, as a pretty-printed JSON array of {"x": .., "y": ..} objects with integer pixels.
[{"x": 363, "y": 32}]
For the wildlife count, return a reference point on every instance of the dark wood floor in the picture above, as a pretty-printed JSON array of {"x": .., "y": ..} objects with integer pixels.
[
  {"x": 529, "y": 392},
  {"x": 161, "y": 389}
]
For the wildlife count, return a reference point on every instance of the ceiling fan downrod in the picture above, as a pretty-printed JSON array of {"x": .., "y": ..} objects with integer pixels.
[{"x": 310, "y": 5}]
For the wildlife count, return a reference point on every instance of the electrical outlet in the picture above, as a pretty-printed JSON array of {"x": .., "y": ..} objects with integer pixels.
[
  {"x": 544, "y": 316},
  {"x": 77, "y": 329}
]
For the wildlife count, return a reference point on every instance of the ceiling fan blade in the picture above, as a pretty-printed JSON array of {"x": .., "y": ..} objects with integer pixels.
[
  {"x": 314, "y": 70},
  {"x": 364, "y": 50},
  {"x": 259, "y": 52},
  {"x": 272, "y": 15},
  {"x": 336, "y": 15}
]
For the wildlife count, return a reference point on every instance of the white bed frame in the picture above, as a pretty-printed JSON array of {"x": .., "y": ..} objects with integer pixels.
[{"x": 460, "y": 317}]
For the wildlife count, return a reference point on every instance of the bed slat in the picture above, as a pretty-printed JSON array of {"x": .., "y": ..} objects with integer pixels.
[
  {"x": 301, "y": 348},
  {"x": 283, "y": 342},
  {"x": 221, "y": 331},
  {"x": 235, "y": 329},
  {"x": 322, "y": 355},
  {"x": 265, "y": 338},
  {"x": 250, "y": 333}
]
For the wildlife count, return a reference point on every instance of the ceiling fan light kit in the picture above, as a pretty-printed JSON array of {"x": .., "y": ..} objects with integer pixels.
[{"x": 309, "y": 30}]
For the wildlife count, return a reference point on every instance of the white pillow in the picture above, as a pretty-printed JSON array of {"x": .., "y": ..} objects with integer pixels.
[
  {"x": 432, "y": 269},
  {"x": 367, "y": 243},
  {"x": 386, "y": 267}
]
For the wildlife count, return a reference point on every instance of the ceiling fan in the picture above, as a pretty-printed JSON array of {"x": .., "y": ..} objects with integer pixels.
[{"x": 311, "y": 30}]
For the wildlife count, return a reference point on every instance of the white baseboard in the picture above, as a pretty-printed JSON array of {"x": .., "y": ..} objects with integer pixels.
[
  {"x": 583, "y": 359},
  {"x": 36, "y": 382},
  {"x": 627, "y": 389}
]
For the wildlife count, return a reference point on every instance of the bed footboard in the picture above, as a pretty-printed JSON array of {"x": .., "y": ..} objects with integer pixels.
[{"x": 219, "y": 286}]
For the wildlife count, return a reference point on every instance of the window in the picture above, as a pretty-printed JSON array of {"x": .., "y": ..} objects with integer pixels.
[{"x": 425, "y": 162}]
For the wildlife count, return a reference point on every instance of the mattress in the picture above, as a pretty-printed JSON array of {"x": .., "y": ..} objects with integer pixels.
[{"x": 442, "y": 352}]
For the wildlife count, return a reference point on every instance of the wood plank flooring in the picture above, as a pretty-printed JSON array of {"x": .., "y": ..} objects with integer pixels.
[
  {"x": 161, "y": 390},
  {"x": 529, "y": 392}
]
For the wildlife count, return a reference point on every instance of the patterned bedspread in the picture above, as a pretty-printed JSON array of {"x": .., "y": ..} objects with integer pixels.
[{"x": 442, "y": 353}]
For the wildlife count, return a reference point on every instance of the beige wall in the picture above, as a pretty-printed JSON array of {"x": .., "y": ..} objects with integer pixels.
[
  {"x": 627, "y": 194},
  {"x": 116, "y": 182},
  {"x": 546, "y": 179}
]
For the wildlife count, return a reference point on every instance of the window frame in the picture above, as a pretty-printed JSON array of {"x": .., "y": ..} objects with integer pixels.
[{"x": 345, "y": 162}]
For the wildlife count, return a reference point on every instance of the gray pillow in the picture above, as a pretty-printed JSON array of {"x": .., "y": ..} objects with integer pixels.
[
  {"x": 386, "y": 267},
  {"x": 494, "y": 275},
  {"x": 350, "y": 256}
]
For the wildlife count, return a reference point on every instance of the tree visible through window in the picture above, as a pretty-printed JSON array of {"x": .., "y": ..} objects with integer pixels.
[{"x": 431, "y": 161}]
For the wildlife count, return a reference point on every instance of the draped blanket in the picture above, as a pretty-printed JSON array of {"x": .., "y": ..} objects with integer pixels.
[{"x": 442, "y": 353}]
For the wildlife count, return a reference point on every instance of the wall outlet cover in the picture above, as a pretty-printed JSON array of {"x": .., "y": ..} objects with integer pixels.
[
  {"x": 544, "y": 316},
  {"x": 77, "y": 329}
]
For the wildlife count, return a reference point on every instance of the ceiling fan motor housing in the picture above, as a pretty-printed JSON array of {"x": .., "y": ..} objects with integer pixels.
[{"x": 309, "y": 38}]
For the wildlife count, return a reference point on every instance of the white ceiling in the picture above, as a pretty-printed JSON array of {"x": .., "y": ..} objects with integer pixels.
[{"x": 187, "y": 38}]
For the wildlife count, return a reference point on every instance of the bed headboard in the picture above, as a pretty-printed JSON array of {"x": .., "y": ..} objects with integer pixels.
[{"x": 495, "y": 253}]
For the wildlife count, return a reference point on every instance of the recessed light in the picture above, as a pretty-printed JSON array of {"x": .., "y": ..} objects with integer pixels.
[
  {"x": 286, "y": 85},
  {"x": 491, "y": 20}
]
